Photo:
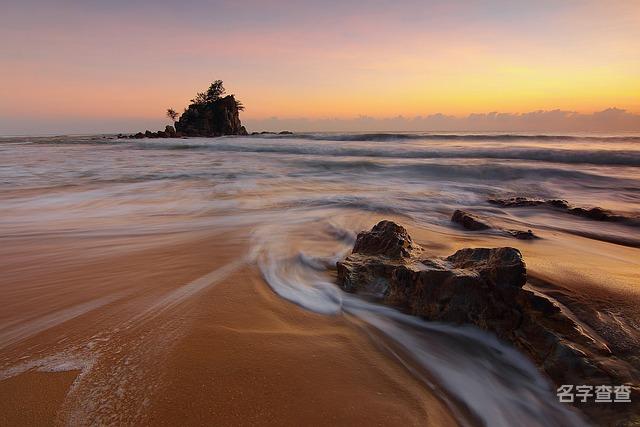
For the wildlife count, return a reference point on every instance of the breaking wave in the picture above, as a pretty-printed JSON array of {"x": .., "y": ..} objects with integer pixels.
[
  {"x": 546, "y": 154},
  {"x": 389, "y": 136}
]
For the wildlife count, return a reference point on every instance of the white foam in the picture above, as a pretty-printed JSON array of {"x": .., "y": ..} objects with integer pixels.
[{"x": 497, "y": 384}]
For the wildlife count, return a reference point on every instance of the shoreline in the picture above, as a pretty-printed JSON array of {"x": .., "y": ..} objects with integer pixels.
[{"x": 232, "y": 351}]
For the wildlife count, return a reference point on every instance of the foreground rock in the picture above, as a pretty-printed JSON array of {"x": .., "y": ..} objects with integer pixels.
[
  {"x": 483, "y": 287},
  {"x": 594, "y": 213},
  {"x": 473, "y": 222}
]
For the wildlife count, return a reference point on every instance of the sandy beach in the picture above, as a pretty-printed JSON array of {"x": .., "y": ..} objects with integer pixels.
[
  {"x": 184, "y": 334},
  {"x": 194, "y": 281}
]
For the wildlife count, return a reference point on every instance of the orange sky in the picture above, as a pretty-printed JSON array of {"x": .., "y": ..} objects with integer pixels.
[{"x": 78, "y": 62}]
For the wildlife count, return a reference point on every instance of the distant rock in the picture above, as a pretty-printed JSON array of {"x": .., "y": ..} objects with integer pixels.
[
  {"x": 469, "y": 221},
  {"x": 518, "y": 202},
  {"x": 267, "y": 132},
  {"x": 210, "y": 114},
  {"x": 594, "y": 213},
  {"x": 170, "y": 131},
  {"x": 522, "y": 235},
  {"x": 482, "y": 287},
  {"x": 216, "y": 118},
  {"x": 473, "y": 222}
]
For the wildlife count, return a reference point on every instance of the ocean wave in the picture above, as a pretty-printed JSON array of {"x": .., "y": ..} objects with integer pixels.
[
  {"x": 487, "y": 172},
  {"x": 355, "y": 145},
  {"x": 389, "y": 136},
  {"x": 550, "y": 155}
]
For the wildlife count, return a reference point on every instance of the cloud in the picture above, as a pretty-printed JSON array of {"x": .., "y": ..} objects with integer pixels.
[{"x": 609, "y": 120}]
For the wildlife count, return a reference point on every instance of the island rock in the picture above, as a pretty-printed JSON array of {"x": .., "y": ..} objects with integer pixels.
[{"x": 217, "y": 118}]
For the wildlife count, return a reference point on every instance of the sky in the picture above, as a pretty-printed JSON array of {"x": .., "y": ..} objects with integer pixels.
[{"x": 71, "y": 66}]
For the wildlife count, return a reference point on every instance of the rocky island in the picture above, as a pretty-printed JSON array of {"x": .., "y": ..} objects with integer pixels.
[{"x": 210, "y": 114}]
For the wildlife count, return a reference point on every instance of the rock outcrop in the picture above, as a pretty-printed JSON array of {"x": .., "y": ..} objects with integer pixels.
[
  {"x": 469, "y": 221},
  {"x": 217, "y": 118},
  {"x": 594, "y": 213},
  {"x": 385, "y": 238},
  {"x": 482, "y": 287},
  {"x": 521, "y": 234},
  {"x": 170, "y": 131},
  {"x": 266, "y": 132},
  {"x": 210, "y": 114}
]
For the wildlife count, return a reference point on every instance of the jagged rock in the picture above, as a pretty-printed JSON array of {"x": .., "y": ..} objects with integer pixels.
[
  {"x": 217, "y": 118},
  {"x": 138, "y": 135},
  {"x": 469, "y": 221},
  {"x": 482, "y": 287},
  {"x": 385, "y": 238},
  {"x": 285, "y": 132}
]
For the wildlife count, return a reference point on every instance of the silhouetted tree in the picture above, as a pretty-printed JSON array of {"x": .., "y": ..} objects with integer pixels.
[
  {"x": 215, "y": 91},
  {"x": 239, "y": 105},
  {"x": 171, "y": 113},
  {"x": 200, "y": 99}
]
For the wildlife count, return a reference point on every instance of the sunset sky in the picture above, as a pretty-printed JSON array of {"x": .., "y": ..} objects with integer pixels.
[{"x": 85, "y": 66}]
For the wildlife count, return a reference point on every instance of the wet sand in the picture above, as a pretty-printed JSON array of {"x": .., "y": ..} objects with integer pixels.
[
  {"x": 34, "y": 398},
  {"x": 188, "y": 333},
  {"x": 182, "y": 329}
]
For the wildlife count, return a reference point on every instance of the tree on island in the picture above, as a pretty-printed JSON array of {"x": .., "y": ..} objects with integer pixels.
[
  {"x": 171, "y": 113},
  {"x": 214, "y": 93},
  {"x": 212, "y": 113}
]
